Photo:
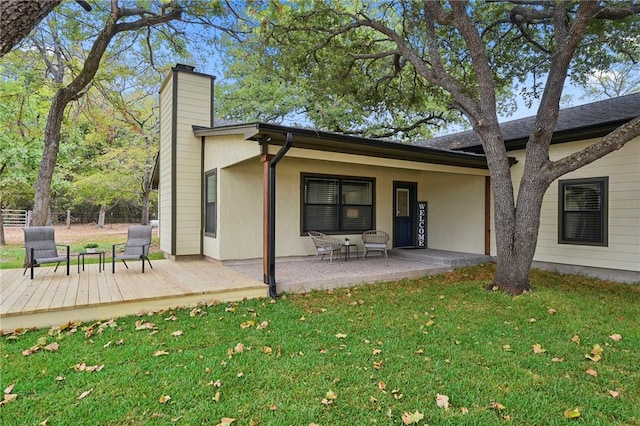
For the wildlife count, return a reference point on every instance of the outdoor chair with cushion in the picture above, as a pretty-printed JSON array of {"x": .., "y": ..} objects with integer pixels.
[
  {"x": 136, "y": 247},
  {"x": 40, "y": 243},
  {"x": 375, "y": 241},
  {"x": 324, "y": 245}
]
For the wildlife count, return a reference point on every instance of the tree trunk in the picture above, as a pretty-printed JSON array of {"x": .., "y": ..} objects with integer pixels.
[
  {"x": 42, "y": 202},
  {"x": 19, "y": 17},
  {"x": 2, "y": 240},
  {"x": 101, "y": 215},
  {"x": 517, "y": 238}
]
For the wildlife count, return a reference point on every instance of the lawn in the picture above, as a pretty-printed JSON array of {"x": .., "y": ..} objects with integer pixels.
[
  {"x": 439, "y": 350},
  {"x": 12, "y": 254}
]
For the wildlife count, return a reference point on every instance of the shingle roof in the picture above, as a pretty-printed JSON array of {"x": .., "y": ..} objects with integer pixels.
[{"x": 573, "y": 123}]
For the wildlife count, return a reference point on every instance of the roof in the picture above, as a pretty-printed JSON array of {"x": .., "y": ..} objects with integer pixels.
[
  {"x": 581, "y": 122},
  {"x": 303, "y": 138}
]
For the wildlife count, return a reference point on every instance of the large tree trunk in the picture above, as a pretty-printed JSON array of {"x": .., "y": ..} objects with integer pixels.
[
  {"x": 19, "y": 17},
  {"x": 42, "y": 203}
]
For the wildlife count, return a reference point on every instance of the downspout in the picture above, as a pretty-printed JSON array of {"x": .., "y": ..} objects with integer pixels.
[{"x": 271, "y": 219}]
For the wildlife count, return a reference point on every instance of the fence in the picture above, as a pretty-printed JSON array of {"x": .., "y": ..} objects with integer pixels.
[{"x": 14, "y": 218}]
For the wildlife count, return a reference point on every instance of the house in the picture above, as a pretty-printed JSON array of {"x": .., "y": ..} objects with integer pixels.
[
  {"x": 590, "y": 221},
  {"x": 254, "y": 190}
]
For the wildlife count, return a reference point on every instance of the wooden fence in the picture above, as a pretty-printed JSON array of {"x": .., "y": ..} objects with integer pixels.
[{"x": 14, "y": 217}]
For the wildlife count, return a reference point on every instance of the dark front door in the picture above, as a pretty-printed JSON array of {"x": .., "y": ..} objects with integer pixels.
[{"x": 404, "y": 202}]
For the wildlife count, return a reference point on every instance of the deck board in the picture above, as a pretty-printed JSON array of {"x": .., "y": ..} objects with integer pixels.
[{"x": 50, "y": 296}]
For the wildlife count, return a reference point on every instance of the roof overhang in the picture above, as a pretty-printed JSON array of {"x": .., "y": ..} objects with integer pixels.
[{"x": 274, "y": 134}]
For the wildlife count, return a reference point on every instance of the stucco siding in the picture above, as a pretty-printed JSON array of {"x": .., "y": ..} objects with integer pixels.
[
  {"x": 451, "y": 224},
  {"x": 623, "y": 250}
]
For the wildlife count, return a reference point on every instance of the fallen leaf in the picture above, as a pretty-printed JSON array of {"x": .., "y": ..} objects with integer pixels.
[
  {"x": 216, "y": 397},
  {"x": 177, "y": 333},
  {"x": 9, "y": 388},
  {"x": 596, "y": 353},
  {"x": 52, "y": 347},
  {"x": 575, "y": 339},
  {"x": 537, "y": 349},
  {"x": 506, "y": 348},
  {"x": 267, "y": 350},
  {"x": 164, "y": 399},
  {"x": 442, "y": 401},
  {"x": 408, "y": 418},
  {"x": 341, "y": 335},
  {"x": 376, "y": 351},
  {"x": 557, "y": 359},
  {"x": 377, "y": 365},
  {"x": 615, "y": 337},
  {"x": 331, "y": 395},
  {"x": 551, "y": 311},
  {"x": 160, "y": 353},
  {"x": 85, "y": 394},
  {"x": 263, "y": 325},
  {"x": 273, "y": 407},
  {"x": 144, "y": 325},
  {"x": 9, "y": 397},
  {"x": 572, "y": 413},
  {"x": 382, "y": 385},
  {"x": 247, "y": 324},
  {"x": 497, "y": 406},
  {"x": 614, "y": 394},
  {"x": 226, "y": 421},
  {"x": 239, "y": 348},
  {"x": 592, "y": 372},
  {"x": 464, "y": 410}
]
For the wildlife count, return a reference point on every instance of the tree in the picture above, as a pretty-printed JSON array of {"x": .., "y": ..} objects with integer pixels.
[
  {"x": 467, "y": 55},
  {"x": 118, "y": 20},
  {"x": 619, "y": 80},
  {"x": 19, "y": 17}
]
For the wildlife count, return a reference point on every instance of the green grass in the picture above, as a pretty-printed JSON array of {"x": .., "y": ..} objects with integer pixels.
[
  {"x": 383, "y": 349},
  {"x": 12, "y": 255}
]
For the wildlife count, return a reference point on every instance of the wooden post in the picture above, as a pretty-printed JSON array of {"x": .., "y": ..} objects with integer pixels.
[
  {"x": 68, "y": 219},
  {"x": 265, "y": 158}
]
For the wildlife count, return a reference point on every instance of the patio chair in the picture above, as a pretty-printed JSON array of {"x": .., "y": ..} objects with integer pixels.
[
  {"x": 324, "y": 245},
  {"x": 136, "y": 247},
  {"x": 40, "y": 243},
  {"x": 375, "y": 240}
]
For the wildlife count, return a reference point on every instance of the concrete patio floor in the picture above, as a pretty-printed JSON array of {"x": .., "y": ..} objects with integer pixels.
[{"x": 55, "y": 298}]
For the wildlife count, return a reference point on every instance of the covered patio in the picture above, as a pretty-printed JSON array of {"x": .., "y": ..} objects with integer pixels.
[{"x": 55, "y": 298}]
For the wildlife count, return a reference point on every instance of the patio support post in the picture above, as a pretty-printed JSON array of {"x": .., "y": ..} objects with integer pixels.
[{"x": 271, "y": 219}]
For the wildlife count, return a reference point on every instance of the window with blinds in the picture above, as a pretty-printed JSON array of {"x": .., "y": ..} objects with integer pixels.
[
  {"x": 211, "y": 200},
  {"x": 337, "y": 204},
  {"x": 583, "y": 211}
]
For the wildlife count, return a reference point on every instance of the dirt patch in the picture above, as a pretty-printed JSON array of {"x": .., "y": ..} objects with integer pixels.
[{"x": 80, "y": 233}]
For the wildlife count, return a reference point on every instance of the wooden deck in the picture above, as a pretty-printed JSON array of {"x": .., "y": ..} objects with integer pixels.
[{"x": 55, "y": 298}]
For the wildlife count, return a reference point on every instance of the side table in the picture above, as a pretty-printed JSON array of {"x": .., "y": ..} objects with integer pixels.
[
  {"x": 347, "y": 250},
  {"x": 101, "y": 259}
]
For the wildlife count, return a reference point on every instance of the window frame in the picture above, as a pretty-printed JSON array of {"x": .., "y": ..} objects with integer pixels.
[
  {"x": 603, "y": 183},
  {"x": 207, "y": 205},
  {"x": 340, "y": 206}
]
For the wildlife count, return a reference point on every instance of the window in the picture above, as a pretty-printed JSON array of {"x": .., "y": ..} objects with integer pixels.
[
  {"x": 337, "y": 204},
  {"x": 583, "y": 206},
  {"x": 211, "y": 203}
]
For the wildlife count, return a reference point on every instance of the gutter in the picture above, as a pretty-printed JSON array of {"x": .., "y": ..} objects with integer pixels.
[{"x": 270, "y": 273}]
